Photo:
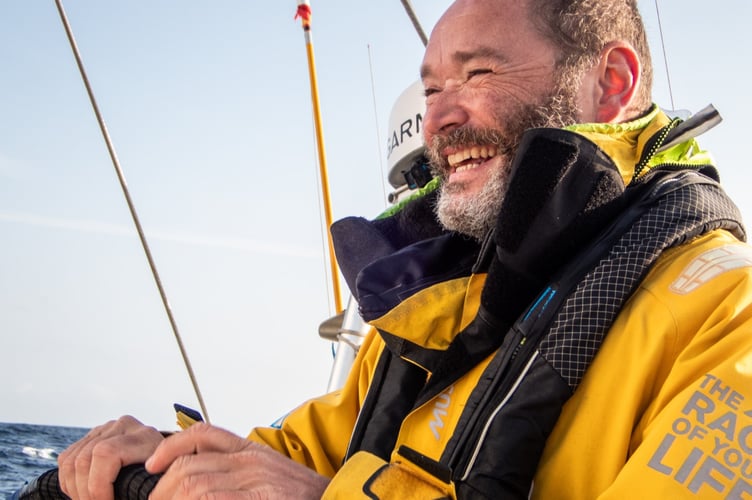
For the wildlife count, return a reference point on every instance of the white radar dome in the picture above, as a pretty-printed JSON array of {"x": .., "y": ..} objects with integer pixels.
[{"x": 405, "y": 141}]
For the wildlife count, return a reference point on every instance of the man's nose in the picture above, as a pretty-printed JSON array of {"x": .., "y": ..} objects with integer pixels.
[{"x": 445, "y": 112}]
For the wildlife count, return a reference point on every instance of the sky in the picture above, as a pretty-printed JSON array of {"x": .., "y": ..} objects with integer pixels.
[{"x": 209, "y": 109}]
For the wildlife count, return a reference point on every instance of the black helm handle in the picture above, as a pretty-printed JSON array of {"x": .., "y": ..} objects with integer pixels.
[{"x": 132, "y": 483}]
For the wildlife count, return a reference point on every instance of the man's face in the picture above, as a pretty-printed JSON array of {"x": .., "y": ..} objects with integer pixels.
[{"x": 489, "y": 76}]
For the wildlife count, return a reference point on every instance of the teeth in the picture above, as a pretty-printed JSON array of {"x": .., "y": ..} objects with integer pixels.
[
  {"x": 474, "y": 152},
  {"x": 456, "y": 158},
  {"x": 469, "y": 166}
]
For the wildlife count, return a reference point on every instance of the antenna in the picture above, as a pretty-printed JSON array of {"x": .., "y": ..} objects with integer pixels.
[
  {"x": 378, "y": 126},
  {"x": 665, "y": 57}
]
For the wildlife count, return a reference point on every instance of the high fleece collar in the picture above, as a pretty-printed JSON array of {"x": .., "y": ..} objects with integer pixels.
[{"x": 625, "y": 143}]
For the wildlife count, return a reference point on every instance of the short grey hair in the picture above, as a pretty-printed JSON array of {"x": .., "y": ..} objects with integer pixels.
[{"x": 582, "y": 28}]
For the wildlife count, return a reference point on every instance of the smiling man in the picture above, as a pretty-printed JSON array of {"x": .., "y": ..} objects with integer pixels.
[
  {"x": 563, "y": 313},
  {"x": 485, "y": 85}
]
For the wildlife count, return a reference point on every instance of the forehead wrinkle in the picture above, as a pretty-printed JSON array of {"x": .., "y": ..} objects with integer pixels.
[{"x": 483, "y": 52}]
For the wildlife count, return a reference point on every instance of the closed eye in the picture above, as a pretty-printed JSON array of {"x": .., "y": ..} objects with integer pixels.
[{"x": 477, "y": 72}]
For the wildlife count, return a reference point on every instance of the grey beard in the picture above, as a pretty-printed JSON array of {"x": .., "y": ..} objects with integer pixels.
[{"x": 475, "y": 215}]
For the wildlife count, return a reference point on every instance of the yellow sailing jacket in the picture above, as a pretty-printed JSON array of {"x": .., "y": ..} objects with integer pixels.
[{"x": 664, "y": 409}]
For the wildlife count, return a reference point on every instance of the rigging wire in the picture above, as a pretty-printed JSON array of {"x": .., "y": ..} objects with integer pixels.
[
  {"x": 129, "y": 201},
  {"x": 416, "y": 24},
  {"x": 665, "y": 57}
]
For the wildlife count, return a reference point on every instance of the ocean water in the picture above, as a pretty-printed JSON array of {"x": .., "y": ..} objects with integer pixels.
[{"x": 26, "y": 451}]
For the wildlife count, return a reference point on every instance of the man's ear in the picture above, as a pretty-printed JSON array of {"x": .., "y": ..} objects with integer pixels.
[{"x": 618, "y": 76}]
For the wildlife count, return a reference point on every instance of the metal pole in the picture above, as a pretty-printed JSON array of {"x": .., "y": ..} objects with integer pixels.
[{"x": 349, "y": 338}]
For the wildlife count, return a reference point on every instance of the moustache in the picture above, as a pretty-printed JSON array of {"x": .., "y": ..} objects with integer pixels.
[{"x": 463, "y": 137}]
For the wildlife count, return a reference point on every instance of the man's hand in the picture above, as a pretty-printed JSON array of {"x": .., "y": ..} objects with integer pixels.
[
  {"x": 206, "y": 460},
  {"x": 89, "y": 466}
]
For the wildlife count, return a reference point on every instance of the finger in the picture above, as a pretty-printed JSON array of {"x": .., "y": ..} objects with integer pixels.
[
  {"x": 198, "y": 438},
  {"x": 67, "y": 469},
  {"x": 111, "y": 455},
  {"x": 113, "y": 427},
  {"x": 192, "y": 476},
  {"x": 89, "y": 467},
  {"x": 82, "y": 468},
  {"x": 256, "y": 471}
]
